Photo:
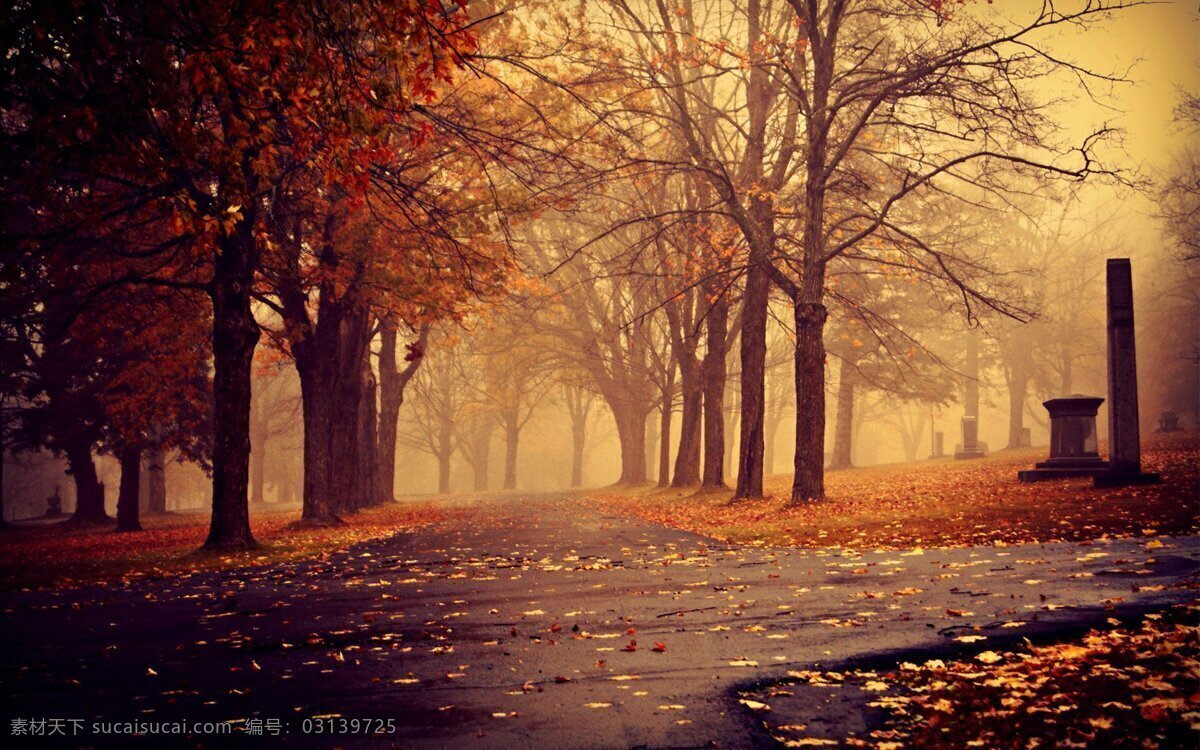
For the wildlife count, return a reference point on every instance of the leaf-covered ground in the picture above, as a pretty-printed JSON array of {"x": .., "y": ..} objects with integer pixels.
[
  {"x": 535, "y": 616},
  {"x": 1116, "y": 688},
  {"x": 938, "y": 503},
  {"x": 66, "y": 555}
]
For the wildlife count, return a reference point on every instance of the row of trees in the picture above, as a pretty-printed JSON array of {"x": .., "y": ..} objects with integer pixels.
[
  {"x": 834, "y": 152},
  {"x": 180, "y": 178},
  {"x": 895, "y": 361},
  {"x": 639, "y": 181}
]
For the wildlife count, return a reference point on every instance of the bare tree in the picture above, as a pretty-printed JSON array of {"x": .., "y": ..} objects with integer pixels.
[
  {"x": 580, "y": 402},
  {"x": 392, "y": 381},
  {"x": 437, "y": 402},
  {"x": 1179, "y": 193},
  {"x": 924, "y": 104}
]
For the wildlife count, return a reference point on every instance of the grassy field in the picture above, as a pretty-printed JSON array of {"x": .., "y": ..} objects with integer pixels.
[
  {"x": 937, "y": 503},
  {"x": 63, "y": 555}
]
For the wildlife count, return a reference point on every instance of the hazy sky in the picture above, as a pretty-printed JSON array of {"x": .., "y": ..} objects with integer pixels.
[
  {"x": 1162, "y": 42},
  {"x": 1166, "y": 38}
]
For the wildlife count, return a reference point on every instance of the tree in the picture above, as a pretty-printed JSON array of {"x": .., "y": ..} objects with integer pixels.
[
  {"x": 1179, "y": 193},
  {"x": 925, "y": 101},
  {"x": 128, "y": 367},
  {"x": 579, "y": 400},
  {"x": 439, "y": 398},
  {"x": 273, "y": 411},
  {"x": 514, "y": 373},
  {"x": 392, "y": 382},
  {"x": 732, "y": 127},
  {"x": 602, "y": 321},
  {"x": 198, "y": 113}
]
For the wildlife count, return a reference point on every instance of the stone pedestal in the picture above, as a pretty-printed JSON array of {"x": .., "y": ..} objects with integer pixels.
[
  {"x": 970, "y": 447},
  {"x": 1072, "y": 440},
  {"x": 1124, "y": 442}
]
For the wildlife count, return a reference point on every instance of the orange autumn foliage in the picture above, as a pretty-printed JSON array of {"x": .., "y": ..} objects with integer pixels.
[{"x": 937, "y": 504}]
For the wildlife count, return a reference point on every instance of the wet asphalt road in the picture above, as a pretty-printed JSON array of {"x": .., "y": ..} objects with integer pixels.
[{"x": 533, "y": 623}]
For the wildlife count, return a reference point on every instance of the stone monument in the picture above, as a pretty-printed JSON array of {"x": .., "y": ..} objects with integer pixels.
[
  {"x": 1168, "y": 421},
  {"x": 1072, "y": 440},
  {"x": 1124, "y": 446},
  {"x": 971, "y": 446},
  {"x": 54, "y": 505}
]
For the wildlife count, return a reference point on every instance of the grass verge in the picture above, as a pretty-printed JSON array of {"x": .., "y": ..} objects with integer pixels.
[
  {"x": 937, "y": 503},
  {"x": 61, "y": 555}
]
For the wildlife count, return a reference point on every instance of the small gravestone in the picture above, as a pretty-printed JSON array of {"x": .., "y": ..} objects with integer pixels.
[
  {"x": 939, "y": 442},
  {"x": 54, "y": 505},
  {"x": 1072, "y": 440},
  {"x": 970, "y": 447},
  {"x": 1026, "y": 437},
  {"x": 1168, "y": 421},
  {"x": 1124, "y": 442}
]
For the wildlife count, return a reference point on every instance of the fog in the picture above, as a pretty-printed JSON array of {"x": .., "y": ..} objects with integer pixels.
[{"x": 607, "y": 309}]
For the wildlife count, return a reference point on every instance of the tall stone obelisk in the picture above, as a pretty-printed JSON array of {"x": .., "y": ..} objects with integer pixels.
[
  {"x": 1124, "y": 440},
  {"x": 971, "y": 446}
]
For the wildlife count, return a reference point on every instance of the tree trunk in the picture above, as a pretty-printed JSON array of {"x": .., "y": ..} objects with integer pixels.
[
  {"x": 713, "y": 372},
  {"x": 344, "y": 477},
  {"x": 733, "y": 423},
  {"x": 368, "y": 437},
  {"x": 687, "y": 459},
  {"x": 772, "y": 428},
  {"x": 809, "y": 480},
  {"x": 445, "y": 452},
  {"x": 328, "y": 355},
  {"x": 127, "y": 496},
  {"x": 156, "y": 471},
  {"x": 664, "y": 440},
  {"x": 652, "y": 436},
  {"x": 631, "y": 432},
  {"x": 578, "y": 408},
  {"x": 235, "y": 334},
  {"x": 578, "y": 439},
  {"x": 443, "y": 473},
  {"x": 346, "y": 480},
  {"x": 89, "y": 494},
  {"x": 482, "y": 452},
  {"x": 258, "y": 455},
  {"x": 1018, "y": 385},
  {"x": 769, "y": 436},
  {"x": 1068, "y": 374},
  {"x": 316, "y": 403},
  {"x": 753, "y": 396},
  {"x": 391, "y": 396},
  {"x": 912, "y": 440},
  {"x": 290, "y": 490},
  {"x": 843, "y": 431},
  {"x": 512, "y": 436},
  {"x": 859, "y": 413}
]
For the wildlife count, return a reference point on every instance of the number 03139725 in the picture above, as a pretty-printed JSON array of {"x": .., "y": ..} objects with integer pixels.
[{"x": 343, "y": 725}]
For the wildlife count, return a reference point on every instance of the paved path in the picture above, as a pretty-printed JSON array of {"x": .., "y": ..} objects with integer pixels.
[{"x": 510, "y": 630}]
